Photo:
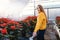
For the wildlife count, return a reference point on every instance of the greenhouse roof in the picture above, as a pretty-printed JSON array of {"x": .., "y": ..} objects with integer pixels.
[{"x": 50, "y": 5}]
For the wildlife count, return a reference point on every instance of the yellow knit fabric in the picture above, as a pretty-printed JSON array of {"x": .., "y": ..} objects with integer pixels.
[{"x": 41, "y": 22}]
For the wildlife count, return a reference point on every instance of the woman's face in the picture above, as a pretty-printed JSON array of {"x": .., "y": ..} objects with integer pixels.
[{"x": 38, "y": 9}]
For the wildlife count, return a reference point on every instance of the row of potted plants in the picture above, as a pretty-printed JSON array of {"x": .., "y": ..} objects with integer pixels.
[{"x": 14, "y": 29}]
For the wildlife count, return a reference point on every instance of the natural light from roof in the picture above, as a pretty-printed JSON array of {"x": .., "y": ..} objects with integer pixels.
[{"x": 20, "y": 8}]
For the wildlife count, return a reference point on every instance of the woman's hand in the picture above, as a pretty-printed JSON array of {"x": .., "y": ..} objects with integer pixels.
[{"x": 34, "y": 34}]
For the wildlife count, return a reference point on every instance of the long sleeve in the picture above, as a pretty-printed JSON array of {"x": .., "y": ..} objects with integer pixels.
[{"x": 39, "y": 22}]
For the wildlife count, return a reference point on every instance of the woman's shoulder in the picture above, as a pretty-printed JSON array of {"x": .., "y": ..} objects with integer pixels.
[{"x": 41, "y": 13}]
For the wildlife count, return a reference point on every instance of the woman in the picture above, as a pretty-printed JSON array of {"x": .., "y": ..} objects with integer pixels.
[{"x": 41, "y": 24}]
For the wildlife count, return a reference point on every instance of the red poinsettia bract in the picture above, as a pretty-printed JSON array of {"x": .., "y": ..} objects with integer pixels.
[
  {"x": 13, "y": 27},
  {"x": 4, "y": 31}
]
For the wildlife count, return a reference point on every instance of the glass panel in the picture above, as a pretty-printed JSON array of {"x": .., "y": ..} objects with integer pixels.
[
  {"x": 12, "y": 8},
  {"x": 53, "y": 13}
]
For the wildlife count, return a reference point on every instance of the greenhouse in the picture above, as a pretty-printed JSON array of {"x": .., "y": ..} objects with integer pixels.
[{"x": 19, "y": 20}]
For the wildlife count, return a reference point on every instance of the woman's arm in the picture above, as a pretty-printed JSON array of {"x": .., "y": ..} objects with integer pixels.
[{"x": 39, "y": 22}]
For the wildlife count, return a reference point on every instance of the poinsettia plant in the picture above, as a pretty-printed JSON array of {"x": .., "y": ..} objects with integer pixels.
[
  {"x": 30, "y": 23},
  {"x": 13, "y": 29},
  {"x": 58, "y": 20},
  {"x": 9, "y": 27}
]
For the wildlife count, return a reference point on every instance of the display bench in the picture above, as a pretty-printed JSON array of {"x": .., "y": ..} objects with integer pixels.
[
  {"x": 57, "y": 30},
  {"x": 57, "y": 25},
  {"x": 54, "y": 31},
  {"x": 17, "y": 30}
]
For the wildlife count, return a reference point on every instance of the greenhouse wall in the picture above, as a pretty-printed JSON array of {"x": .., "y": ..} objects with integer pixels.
[{"x": 15, "y": 9}]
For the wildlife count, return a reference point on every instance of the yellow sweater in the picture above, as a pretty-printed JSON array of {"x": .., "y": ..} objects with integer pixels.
[{"x": 41, "y": 22}]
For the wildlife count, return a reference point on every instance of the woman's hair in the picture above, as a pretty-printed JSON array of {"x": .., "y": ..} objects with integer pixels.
[{"x": 42, "y": 10}]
